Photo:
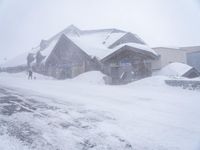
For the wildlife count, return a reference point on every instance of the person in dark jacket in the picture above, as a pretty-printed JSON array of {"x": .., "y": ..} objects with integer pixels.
[{"x": 30, "y": 74}]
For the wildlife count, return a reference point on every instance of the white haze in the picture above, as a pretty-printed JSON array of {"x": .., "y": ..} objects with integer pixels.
[{"x": 23, "y": 23}]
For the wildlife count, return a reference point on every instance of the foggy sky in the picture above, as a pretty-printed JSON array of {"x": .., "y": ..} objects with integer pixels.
[{"x": 23, "y": 23}]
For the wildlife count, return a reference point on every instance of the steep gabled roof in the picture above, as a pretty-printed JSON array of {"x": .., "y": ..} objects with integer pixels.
[
  {"x": 69, "y": 30},
  {"x": 95, "y": 42},
  {"x": 134, "y": 47},
  {"x": 127, "y": 38},
  {"x": 48, "y": 50},
  {"x": 67, "y": 46},
  {"x": 98, "y": 43}
]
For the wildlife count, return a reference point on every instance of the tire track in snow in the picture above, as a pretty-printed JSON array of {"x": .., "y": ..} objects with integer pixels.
[{"x": 41, "y": 123}]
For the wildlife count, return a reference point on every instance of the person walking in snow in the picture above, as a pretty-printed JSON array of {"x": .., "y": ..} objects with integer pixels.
[{"x": 30, "y": 74}]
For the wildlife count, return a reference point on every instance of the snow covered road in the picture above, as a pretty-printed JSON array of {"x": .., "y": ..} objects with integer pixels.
[
  {"x": 84, "y": 114},
  {"x": 35, "y": 122}
]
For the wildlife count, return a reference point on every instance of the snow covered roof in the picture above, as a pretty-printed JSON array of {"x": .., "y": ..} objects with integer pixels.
[
  {"x": 138, "y": 46},
  {"x": 17, "y": 61},
  {"x": 183, "y": 49},
  {"x": 47, "y": 51},
  {"x": 96, "y": 44},
  {"x": 135, "y": 47},
  {"x": 191, "y": 49},
  {"x": 69, "y": 30},
  {"x": 174, "y": 69},
  {"x": 168, "y": 47},
  {"x": 93, "y": 42}
]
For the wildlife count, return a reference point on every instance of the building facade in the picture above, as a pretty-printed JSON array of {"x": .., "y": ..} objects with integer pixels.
[{"x": 186, "y": 55}]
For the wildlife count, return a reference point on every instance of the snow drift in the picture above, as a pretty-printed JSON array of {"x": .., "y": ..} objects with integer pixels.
[{"x": 174, "y": 69}]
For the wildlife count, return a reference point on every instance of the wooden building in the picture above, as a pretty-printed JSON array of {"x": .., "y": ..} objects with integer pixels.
[
  {"x": 122, "y": 55},
  {"x": 128, "y": 63}
]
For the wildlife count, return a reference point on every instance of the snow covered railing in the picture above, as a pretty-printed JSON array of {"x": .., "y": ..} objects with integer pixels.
[{"x": 185, "y": 84}]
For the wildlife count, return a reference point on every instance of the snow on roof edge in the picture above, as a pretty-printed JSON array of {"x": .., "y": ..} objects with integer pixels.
[
  {"x": 137, "y": 45},
  {"x": 174, "y": 69}
]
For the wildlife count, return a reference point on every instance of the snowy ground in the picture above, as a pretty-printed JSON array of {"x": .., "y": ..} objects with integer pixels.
[{"x": 85, "y": 114}]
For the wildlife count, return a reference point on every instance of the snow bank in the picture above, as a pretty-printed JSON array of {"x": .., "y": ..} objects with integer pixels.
[
  {"x": 92, "y": 77},
  {"x": 146, "y": 113},
  {"x": 150, "y": 81},
  {"x": 174, "y": 69}
]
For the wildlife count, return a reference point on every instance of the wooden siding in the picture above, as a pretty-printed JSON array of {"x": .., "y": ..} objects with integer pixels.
[
  {"x": 67, "y": 60},
  {"x": 135, "y": 65}
]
